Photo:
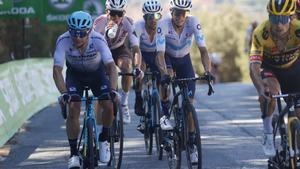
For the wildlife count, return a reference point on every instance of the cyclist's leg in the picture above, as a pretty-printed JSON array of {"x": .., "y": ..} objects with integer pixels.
[
  {"x": 291, "y": 86},
  {"x": 164, "y": 97},
  {"x": 271, "y": 83},
  {"x": 72, "y": 123},
  {"x": 138, "y": 105},
  {"x": 100, "y": 86},
  {"x": 123, "y": 59},
  {"x": 184, "y": 69},
  {"x": 165, "y": 90}
]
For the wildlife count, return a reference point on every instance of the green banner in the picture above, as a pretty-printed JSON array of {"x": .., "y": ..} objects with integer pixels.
[
  {"x": 26, "y": 87},
  {"x": 58, "y": 10},
  {"x": 6, "y": 4},
  {"x": 22, "y": 9}
]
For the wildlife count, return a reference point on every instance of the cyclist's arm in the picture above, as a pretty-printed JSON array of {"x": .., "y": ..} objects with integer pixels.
[
  {"x": 256, "y": 58},
  {"x": 200, "y": 41},
  {"x": 59, "y": 61},
  {"x": 161, "y": 63},
  {"x": 256, "y": 76},
  {"x": 137, "y": 59},
  {"x": 111, "y": 70},
  {"x": 134, "y": 43},
  {"x": 112, "y": 74},
  {"x": 161, "y": 48},
  {"x": 59, "y": 79},
  {"x": 205, "y": 59}
]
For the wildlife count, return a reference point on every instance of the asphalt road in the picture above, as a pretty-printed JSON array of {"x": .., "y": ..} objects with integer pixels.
[{"x": 230, "y": 126}]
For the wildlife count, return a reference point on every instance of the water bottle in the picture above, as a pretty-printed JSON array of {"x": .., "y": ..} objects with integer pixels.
[{"x": 112, "y": 32}]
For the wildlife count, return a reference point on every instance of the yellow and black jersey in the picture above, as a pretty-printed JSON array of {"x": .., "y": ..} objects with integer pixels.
[{"x": 264, "y": 50}]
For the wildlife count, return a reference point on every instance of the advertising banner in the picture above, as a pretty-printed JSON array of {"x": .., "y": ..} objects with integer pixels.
[
  {"x": 58, "y": 10},
  {"x": 26, "y": 87},
  {"x": 21, "y": 8}
]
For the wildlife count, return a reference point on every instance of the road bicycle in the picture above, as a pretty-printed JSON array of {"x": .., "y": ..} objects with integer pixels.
[
  {"x": 183, "y": 112},
  {"x": 287, "y": 129}
]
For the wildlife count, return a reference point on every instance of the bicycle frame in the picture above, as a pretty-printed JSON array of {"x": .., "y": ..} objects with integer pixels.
[
  {"x": 285, "y": 131},
  {"x": 153, "y": 92},
  {"x": 88, "y": 116}
]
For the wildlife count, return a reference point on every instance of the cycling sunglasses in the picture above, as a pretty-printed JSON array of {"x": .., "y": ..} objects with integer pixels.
[
  {"x": 116, "y": 13},
  {"x": 180, "y": 12},
  {"x": 78, "y": 33},
  {"x": 276, "y": 19},
  {"x": 156, "y": 16}
]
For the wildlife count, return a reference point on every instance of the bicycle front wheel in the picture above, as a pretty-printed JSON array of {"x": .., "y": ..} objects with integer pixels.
[
  {"x": 90, "y": 161},
  {"x": 156, "y": 126},
  {"x": 295, "y": 136},
  {"x": 148, "y": 132},
  {"x": 192, "y": 142}
]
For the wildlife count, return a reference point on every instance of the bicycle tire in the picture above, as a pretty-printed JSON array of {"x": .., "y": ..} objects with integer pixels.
[
  {"x": 197, "y": 140},
  {"x": 116, "y": 140},
  {"x": 295, "y": 136},
  {"x": 90, "y": 145},
  {"x": 175, "y": 149},
  {"x": 157, "y": 129},
  {"x": 148, "y": 133}
]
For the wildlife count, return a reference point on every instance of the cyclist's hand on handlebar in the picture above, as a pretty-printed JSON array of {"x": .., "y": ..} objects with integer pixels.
[
  {"x": 115, "y": 96},
  {"x": 64, "y": 98},
  {"x": 265, "y": 94},
  {"x": 209, "y": 76},
  {"x": 138, "y": 73},
  {"x": 165, "y": 79}
]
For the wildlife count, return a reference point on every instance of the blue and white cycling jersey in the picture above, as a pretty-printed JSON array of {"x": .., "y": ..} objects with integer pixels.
[
  {"x": 175, "y": 45},
  {"x": 144, "y": 40},
  {"x": 96, "y": 52}
]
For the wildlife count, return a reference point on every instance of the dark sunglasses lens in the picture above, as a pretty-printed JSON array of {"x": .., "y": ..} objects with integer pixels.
[
  {"x": 179, "y": 12},
  {"x": 77, "y": 33},
  {"x": 276, "y": 19},
  {"x": 116, "y": 13}
]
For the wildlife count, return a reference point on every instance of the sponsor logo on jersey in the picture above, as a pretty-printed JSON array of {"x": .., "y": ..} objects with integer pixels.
[
  {"x": 199, "y": 27},
  {"x": 265, "y": 34},
  {"x": 158, "y": 30}
]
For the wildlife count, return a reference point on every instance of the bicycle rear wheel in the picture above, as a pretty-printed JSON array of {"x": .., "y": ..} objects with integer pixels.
[
  {"x": 116, "y": 140},
  {"x": 193, "y": 145},
  {"x": 148, "y": 133}
]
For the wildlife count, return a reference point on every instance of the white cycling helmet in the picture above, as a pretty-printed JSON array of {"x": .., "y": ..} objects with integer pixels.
[
  {"x": 117, "y": 5},
  {"x": 181, "y": 4},
  {"x": 152, "y": 7}
]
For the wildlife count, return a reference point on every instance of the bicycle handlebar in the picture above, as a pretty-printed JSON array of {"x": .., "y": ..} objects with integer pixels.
[
  {"x": 294, "y": 95},
  {"x": 77, "y": 98},
  {"x": 184, "y": 80}
]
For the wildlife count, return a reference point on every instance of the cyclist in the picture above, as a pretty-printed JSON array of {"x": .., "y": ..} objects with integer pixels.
[
  {"x": 146, "y": 32},
  {"x": 87, "y": 58},
  {"x": 123, "y": 25},
  {"x": 274, "y": 63},
  {"x": 174, "y": 40}
]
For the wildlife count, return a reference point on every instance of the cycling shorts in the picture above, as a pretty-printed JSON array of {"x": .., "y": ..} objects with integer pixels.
[
  {"x": 183, "y": 68},
  {"x": 122, "y": 51},
  {"x": 97, "y": 81},
  {"x": 288, "y": 78}
]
